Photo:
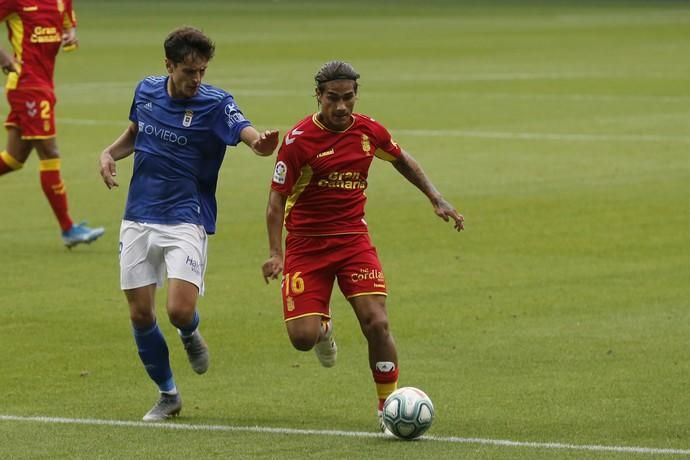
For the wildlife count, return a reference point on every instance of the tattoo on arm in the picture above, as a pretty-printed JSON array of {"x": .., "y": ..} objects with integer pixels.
[{"x": 413, "y": 172}]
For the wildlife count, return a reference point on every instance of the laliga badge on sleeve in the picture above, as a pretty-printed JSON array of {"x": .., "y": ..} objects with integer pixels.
[{"x": 280, "y": 173}]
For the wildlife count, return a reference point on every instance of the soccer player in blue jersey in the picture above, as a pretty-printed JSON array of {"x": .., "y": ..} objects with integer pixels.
[{"x": 178, "y": 133}]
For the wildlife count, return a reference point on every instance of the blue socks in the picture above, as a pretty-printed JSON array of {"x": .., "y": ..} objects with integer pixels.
[{"x": 153, "y": 352}]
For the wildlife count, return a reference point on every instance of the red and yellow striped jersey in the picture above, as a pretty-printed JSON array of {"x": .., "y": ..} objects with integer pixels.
[
  {"x": 35, "y": 30},
  {"x": 325, "y": 173}
]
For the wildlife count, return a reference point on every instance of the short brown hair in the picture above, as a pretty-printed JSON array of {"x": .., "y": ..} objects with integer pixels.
[{"x": 186, "y": 42}]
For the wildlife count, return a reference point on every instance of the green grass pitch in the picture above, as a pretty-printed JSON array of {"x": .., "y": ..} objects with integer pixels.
[{"x": 561, "y": 315}]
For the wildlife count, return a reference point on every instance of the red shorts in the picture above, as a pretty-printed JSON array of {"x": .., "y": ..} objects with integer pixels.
[
  {"x": 312, "y": 264},
  {"x": 32, "y": 111}
]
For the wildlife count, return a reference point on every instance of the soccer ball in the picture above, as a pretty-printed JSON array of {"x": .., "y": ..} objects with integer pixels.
[{"x": 408, "y": 412}]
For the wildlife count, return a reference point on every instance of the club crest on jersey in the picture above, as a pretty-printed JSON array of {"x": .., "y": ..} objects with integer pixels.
[
  {"x": 187, "y": 120},
  {"x": 366, "y": 145},
  {"x": 280, "y": 173}
]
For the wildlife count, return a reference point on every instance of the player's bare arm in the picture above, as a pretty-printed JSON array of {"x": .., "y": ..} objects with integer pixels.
[
  {"x": 408, "y": 167},
  {"x": 261, "y": 143},
  {"x": 275, "y": 214},
  {"x": 121, "y": 148},
  {"x": 7, "y": 62}
]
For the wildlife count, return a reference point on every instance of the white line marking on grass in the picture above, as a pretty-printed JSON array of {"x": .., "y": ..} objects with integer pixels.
[
  {"x": 512, "y": 76},
  {"x": 561, "y": 97},
  {"x": 542, "y": 136},
  {"x": 237, "y": 82},
  {"x": 87, "y": 122},
  {"x": 469, "y": 133},
  {"x": 558, "y": 445},
  {"x": 351, "y": 434}
]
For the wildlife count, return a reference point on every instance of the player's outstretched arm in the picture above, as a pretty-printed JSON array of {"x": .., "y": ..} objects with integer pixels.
[
  {"x": 413, "y": 172},
  {"x": 121, "y": 148},
  {"x": 275, "y": 214},
  {"x": 262, "y": 143}
]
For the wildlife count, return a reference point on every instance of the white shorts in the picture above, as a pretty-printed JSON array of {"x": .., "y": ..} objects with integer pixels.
[{"x": 148, "y": 251}]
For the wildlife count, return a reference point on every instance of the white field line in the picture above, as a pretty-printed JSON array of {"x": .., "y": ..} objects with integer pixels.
[
  {"x": 351, "y": 434},
  {"x": 466, "y": 76},
  {"x": 246, "y": 92},
  {"x": 528, "y": 76},
  {"x": 469, "y": 133},
  {"x": 543, "y": 136}
]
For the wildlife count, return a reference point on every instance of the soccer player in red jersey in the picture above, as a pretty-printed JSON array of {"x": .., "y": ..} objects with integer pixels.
[
  {"x": 317, "y": 191},
  {"x": 37, "y": 29}
]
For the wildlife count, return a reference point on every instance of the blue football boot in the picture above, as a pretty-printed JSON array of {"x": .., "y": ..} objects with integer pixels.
[{"x": 79, "y": 234}]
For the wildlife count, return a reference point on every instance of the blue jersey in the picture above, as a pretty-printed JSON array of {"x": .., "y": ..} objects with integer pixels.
[{"x": 178, "y": 151}]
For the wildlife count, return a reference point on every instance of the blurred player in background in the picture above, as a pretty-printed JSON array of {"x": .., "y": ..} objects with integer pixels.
[
  {"x": 36, "y": 30},
  {"x": 318, "y": 190},
  {"x": 178, "y": 133}
]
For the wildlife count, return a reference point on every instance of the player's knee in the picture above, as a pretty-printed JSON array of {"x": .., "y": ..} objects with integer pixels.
[
  {"x": 142, "y": 318},
  {"x": 376, "y": 327},
  {"x": 180, "y": 315},
  {"x": 303, "y": 340},
  {"x": 47, "y": 150},
  {"x": 304, "y": 332}
]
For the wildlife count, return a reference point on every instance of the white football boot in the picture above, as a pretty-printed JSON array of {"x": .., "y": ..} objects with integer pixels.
[
  {"x": 326, "y": 349},
  {"x": 382, "y": 426}
]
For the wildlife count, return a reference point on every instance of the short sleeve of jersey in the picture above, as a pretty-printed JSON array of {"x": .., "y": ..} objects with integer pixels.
[
  {"x": 133, "y": 108},
  {"x": 386, "y": 148},
  {"x": 288, "y": 168},
  {"x": 7, "y": 8},
  {"x": 69, "y": 19},
  {"x": 229, "y": 122}
]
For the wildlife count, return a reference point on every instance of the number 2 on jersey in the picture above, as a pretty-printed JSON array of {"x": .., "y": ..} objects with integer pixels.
[{"x": 45, "y": 110}]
